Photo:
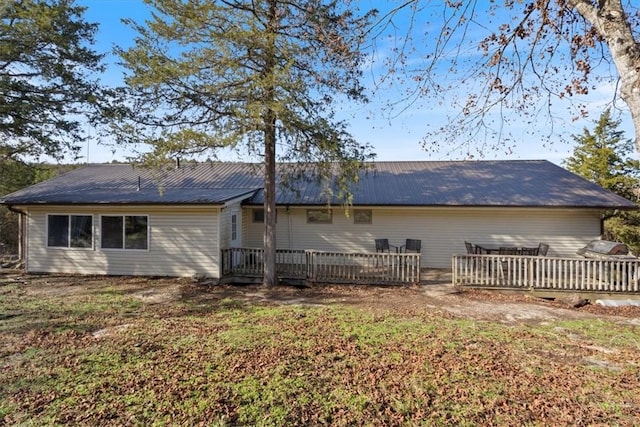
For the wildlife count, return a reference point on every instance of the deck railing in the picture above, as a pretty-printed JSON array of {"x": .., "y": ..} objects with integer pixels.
[
  {"x": 547, "y": 273},
  {"x": 327, "y": 267}
]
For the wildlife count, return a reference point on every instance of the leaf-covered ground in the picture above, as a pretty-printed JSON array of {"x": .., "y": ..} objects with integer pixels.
[{"x": 136, "y": 351}]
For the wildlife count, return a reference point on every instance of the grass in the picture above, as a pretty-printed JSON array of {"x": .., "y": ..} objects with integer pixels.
[{"x": 234, "y": 363}]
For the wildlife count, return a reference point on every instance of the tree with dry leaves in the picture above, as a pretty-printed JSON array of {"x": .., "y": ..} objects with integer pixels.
[{"x": 501, "y": 63}]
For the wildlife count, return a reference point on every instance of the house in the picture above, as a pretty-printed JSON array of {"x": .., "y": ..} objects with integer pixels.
[{"x": 125, "y": 220}]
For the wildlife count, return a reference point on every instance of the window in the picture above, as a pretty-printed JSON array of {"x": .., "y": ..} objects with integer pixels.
[
  {"x": 362, "y": 216},
  {"x": 70, "y": 231},
  {"x": 258, "y": 215},
  {"x": 234, "y": 227},
  {"x": 125, "y": 232},
  {"x": 319, "y": 216}
]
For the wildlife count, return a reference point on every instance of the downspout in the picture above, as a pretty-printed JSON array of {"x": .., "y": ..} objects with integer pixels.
[{"x": 21, "y": 233}]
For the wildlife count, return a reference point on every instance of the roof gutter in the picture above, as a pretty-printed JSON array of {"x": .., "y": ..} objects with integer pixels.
[{"x": 18, "y": 211}]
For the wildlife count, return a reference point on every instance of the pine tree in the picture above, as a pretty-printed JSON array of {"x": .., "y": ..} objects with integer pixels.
[
  {"x": 46, "y": 90},
  {"x": 250, "y": 76},
  {"x": 604, "y": 157}
]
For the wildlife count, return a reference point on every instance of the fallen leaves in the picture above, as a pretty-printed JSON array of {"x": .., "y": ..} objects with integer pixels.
[{"x": 215, "y": 358}]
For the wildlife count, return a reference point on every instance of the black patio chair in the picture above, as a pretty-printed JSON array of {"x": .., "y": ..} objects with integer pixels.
[
  {"x": 471, "y": 249},
  {"x": 382, "y": 245},
  {"x": 477, "y": 250},
  {"x": 543, "y": 248},
  {"x": 474, "y": 249},
  {"x": 411, "y": 245}
]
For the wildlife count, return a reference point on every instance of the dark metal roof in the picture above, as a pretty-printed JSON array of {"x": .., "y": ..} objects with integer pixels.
[
  {"x": 126, "y": 184},
  {"x": 519, "y": 183}
]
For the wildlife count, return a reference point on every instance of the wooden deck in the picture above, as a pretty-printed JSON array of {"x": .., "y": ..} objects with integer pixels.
[
  {"x": 543, "y": 276},
  {"x": 326, "y": 267},
  {"x": 547, "y": 274}
]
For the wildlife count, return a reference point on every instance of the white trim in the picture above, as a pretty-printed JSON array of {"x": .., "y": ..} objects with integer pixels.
[
  {"x": 124, "y": 234},
  {"x": 239, "y": 199},
  {"x": 234, "y": 227},
  {"x": 69, "y": 247}
]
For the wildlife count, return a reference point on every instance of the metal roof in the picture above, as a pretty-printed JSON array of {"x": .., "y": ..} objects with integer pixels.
[
  {"x": 126, "y": 184},
  {"x": 519, "y": 183}
]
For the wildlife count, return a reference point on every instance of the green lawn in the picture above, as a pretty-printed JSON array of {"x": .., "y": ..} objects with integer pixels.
[{"x": 102, "y": 356}]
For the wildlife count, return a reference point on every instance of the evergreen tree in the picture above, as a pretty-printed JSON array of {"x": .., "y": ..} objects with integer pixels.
[
  {"x": 46, "y": 91},
  {"x": 16, "y": 175},
  {"x": 249, "y": 75},
  {"x": 604, "y": 157}
]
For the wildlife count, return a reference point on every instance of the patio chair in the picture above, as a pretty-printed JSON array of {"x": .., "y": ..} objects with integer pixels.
[
  {"x": 382, "y": 245},
  {"x": 471, "y": 249},
  {"x": 411, "y": 245},
  {"x": 474, "y": 249},
  {"x": 505, "y": 265},
  {"x": 543, "y": 248}
]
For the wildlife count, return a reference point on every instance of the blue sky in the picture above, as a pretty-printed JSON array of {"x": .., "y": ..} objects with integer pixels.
[{"x": 395, "y": 136}]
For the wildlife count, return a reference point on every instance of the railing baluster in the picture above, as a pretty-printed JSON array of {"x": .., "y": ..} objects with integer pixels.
[{"x": 569, "y": 274}]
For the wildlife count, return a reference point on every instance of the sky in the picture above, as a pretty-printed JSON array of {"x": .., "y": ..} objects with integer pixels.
[{"x": 395, "y": 136}]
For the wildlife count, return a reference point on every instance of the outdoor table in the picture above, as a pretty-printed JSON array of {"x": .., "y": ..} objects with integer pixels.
[
  {"x": 490, "y": 250},
  {"x": 511, "y": 250}
]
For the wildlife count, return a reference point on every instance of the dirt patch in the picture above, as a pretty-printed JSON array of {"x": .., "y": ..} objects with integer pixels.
[{"x": 474, "y": 304}]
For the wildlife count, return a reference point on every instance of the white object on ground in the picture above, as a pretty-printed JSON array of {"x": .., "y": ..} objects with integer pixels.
[{"x": 617, "y": 302}]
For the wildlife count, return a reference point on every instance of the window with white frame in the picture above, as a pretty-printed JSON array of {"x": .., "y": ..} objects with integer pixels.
[
  {"x": 69, "y": 231},
  {"x": 362, "y": 216},
  {"x": 319, "y": 216},
  {"x": 124, "y": 232}
]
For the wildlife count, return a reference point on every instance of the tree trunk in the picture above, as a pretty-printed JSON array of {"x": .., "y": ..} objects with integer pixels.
[
  {"x": 609, "y": 19},
  {"x": 269, "y": 277},
  {"x": 633, "y": 101}
]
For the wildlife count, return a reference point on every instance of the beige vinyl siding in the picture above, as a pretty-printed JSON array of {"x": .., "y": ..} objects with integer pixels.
[
  {"x": 183, "y": 241},
  {"x": 254, "y": 232},
  {"x": 442, "y": 230}
]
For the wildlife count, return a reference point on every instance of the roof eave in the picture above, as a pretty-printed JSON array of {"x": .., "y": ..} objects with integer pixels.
[
  {"x": 451, "y": 205},
  {"x": 137, "y": 203}
]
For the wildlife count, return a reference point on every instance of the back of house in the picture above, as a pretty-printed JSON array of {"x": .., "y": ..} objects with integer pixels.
[{"x": 127, "y": 220}]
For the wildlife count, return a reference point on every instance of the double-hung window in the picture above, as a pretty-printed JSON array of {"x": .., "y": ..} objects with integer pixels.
[
  {"x": 69, "y": 231},
  {"x": 124, "y": 232}
]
